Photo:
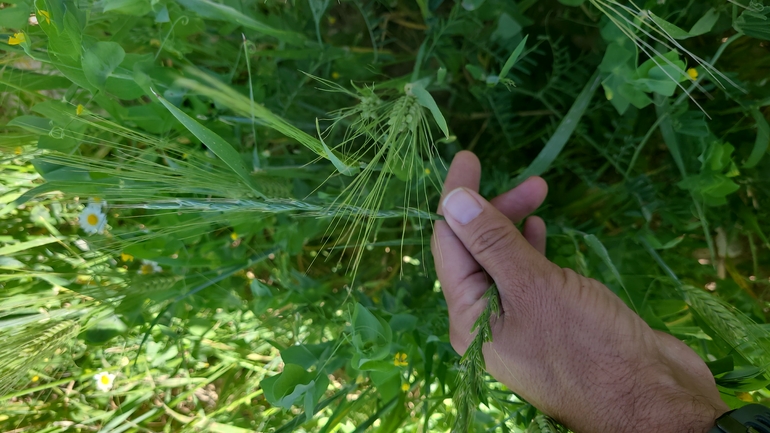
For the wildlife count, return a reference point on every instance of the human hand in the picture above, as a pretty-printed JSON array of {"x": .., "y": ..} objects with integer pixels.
[{"x": 563, "y": 342}]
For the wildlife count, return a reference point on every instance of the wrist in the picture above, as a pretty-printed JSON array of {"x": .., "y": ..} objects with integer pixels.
[{"x": 667, "y": 402}]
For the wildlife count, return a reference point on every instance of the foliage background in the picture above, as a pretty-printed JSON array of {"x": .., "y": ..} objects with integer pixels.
[{"x": 255, "y": 322}]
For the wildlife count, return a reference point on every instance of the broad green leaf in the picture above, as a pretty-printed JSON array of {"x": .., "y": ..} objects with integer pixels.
[
  {"x": 34, "y": 124},
  {"x": 763, "y": 139},
  {"x": 472, "y": 5},
  {"x": 507, "y": 27},
  {"x": 214, "y": 142},
  {"x": 305, "y": 355},
  {"x": 705, "y": 23},
  {"x": 668, "y": 28},
  {"x": 105, "y": 329},
  {"x": 30, "y": 81},
  {"x": 754, "y": 21},
  {"x": 100, "y": 60},
  {"x": 563, "y": 133},
  {"x": 426, "y": 100},
  {"x": 371, "y": 336},
  {"x": 285, "y": 389},
  {"x": 15, "y": 16},
  {"x": 128, "y": 7},
  {"x": 347, "y": 170},
  {"x": 220, "y": 12}
]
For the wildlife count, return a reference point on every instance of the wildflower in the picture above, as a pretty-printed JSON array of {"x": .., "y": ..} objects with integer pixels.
[
  {"x": 427, "y": 171},
  {"x": 692, "y": 73},
  {"x": 335, "y": 75},
  {"x": 234, "y": 236},
  {"x": 149, "y": 267},
  {"x": 104, "y": 381},
  {"x": 79, "y": 109},
  {"x": 744, "y": 396},
  {"x": 404, "y": 387},
  {"x": 400, "y": 360},
  {"x": 126, "y": 257},
  {"x": 92, "y": 219},
  {"x": 18, "y": 150},
  {"x": 45, "y": 15},
  {"x": 35, "y": 378},
  {"x": 17, "y": 39}
]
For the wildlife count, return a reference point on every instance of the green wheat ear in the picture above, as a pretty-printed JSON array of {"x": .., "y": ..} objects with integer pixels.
[
  {"x": 545, "y": 424},
  {"x": 471, "y": 386},
  {"x": 26, "y": 346}
]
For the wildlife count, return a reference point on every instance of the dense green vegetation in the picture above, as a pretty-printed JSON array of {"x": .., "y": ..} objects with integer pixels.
[{"x": 215, "y": 214}]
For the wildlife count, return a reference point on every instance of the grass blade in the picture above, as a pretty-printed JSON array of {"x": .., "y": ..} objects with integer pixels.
[
  {"x": 214, "y": 142},
  {"x": 763, "y": 139},
  {"x": 426, "y": 100},
  {"x": 563, "y": 133},
  {"x": 513, "y": 57},
  {"x": 598, "y": 247},
  {"x": 215, "y": 11}
]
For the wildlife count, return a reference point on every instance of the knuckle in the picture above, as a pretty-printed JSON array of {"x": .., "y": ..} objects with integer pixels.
[{"x": 491, "y": 240}]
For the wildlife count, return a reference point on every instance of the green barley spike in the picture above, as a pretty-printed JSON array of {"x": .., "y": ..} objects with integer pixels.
[{"x": 471, "y": 387}]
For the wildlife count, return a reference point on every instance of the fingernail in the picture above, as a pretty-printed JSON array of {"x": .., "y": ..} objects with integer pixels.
[{"x": 461, "y": 206}]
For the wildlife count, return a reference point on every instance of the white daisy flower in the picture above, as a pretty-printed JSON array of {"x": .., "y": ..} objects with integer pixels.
[
  {"x": 149, "y": 267},
  {"x": 104, "y": 381},
  {"x": 92, "y": 220}
]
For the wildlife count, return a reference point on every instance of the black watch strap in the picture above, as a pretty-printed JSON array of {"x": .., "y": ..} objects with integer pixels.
[{"x": 753, "y": 418}]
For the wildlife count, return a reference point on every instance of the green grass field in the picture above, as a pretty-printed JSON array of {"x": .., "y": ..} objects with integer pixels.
[{"x": 215, "y": 214}]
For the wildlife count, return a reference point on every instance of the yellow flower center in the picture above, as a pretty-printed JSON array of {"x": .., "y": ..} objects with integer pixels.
[
  {"x": 234, "y": 236},
  {"x": 92, "y": 219},
  {"x": 146, "y": 269},
  {"x": 692, "y": 73},
  {"x": 105, "y": 380},
  {"x": 405, "y": 387}
]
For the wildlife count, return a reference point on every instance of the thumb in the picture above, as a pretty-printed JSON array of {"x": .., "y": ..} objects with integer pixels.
[{"x": 495, "y": 243}]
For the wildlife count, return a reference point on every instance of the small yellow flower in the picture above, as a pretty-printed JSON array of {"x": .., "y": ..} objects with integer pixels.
[
  {"x": 400, "y": 360},
  {"x": 126, "y": 257},
  {"x": 744, "y": 396},
  {"x": 155, "y": 42},
  {"x": 234, "y": 236},
  {"x": 35, "y": 378},
  {"x": 79, "y": 109},
  {"x": 427, "y": 171},
  {"x": 18, "y": 150},
  {"x": 335, "y": 75},
  {"x": 332, "y": 20},
  {"x": 17, "y": 39},
  {"x": 45, "y": 15},
  {"x": 692, "y": 73},
  {"x": 405, "y": 387},
  {"x": 608, "y": 94}
]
